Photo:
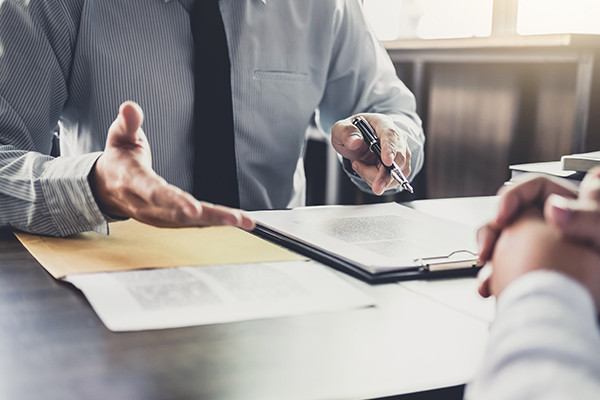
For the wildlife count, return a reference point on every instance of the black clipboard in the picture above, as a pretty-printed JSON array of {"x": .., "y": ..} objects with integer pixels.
[{"x": 444, "y": 266}]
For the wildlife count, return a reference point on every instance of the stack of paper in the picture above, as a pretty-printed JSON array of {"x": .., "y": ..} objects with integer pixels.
[
  {"x": 223, "y": 274},
  {"x": 581, "y": 162}
]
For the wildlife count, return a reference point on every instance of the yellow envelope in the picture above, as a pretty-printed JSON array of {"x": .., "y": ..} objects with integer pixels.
[{"x": 133, "y": 245}]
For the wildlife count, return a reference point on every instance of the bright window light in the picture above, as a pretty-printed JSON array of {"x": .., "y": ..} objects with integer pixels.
[
  {"x": 384, "y": 17},
  {"x": 558, "y": 16},
  {"x": 429, "y": 19},
  {"x": 455, "y": 18}
]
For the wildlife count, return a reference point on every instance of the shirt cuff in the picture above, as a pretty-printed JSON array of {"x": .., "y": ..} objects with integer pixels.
[
  {"x": 415, "y": 140},
  {"x": 69, "y": 197}
]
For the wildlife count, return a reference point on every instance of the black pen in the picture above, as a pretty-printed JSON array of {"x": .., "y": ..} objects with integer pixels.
[{"x": 371, "y": 139}]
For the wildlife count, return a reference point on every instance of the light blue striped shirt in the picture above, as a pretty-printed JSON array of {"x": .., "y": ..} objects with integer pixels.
[{"x": 71, "y": 63}]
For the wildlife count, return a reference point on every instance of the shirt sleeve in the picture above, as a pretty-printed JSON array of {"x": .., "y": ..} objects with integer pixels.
[
  {"x": 362, "y": 78},
  {"x": 38, "y": 193},
  {"x": 544, "y": 342}
]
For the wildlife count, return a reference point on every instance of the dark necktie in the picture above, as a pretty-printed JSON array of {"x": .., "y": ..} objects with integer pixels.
[{"x": 215, "y": 174}]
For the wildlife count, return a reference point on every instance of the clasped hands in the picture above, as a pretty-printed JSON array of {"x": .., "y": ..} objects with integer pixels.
[
  {"x": 125, "y": 185},
  {"x": 543, "y": 223}
]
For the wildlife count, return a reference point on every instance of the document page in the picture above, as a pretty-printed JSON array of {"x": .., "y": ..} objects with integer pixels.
[
  {"x": 376, "y": 237},
  {"x": 188, "y": 296},
  {"x": 459, "y": 294}
]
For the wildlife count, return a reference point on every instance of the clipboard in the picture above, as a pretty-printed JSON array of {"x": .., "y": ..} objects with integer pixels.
[
  {"x": 437, "y": 267},
  {"x": 458, "y": 262}
]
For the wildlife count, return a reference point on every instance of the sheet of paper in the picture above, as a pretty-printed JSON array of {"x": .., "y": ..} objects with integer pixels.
[
  {"x": 188, "y": 296},
  {"x": 379, "y": 237},
  {"x": 472, "y": 211},
  {"x": 133, "y": 245},
  {"x": 459, "y": 294}
]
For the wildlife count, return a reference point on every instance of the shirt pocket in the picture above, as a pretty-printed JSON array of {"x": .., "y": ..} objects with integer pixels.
[{"x": 283, "y": 76}]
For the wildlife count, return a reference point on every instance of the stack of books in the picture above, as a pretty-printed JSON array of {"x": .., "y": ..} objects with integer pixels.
[
  {"x": 551, "y": 168},
  {"x": 571, "y": 167},
  {"x": 581, "y": 162}
]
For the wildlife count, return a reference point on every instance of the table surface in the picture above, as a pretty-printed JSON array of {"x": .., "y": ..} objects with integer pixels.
[{"x": 417, "y": 338}]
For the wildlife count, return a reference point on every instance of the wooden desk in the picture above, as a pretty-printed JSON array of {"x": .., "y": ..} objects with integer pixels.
[{"x": 53, "y": 346}]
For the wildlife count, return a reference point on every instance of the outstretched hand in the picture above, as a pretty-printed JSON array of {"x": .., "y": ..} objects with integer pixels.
[{"x": 124, "y": 183}]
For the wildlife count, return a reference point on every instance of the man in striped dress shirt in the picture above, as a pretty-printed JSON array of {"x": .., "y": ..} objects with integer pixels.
[{"x": 72, "y": 66}]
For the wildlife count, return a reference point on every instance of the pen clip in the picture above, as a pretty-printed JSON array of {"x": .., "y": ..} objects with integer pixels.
[{"x": 449, "y": 262}]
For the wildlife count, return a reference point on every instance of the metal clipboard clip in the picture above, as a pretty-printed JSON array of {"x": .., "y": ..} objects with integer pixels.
[{"x": 458, "y": 259}]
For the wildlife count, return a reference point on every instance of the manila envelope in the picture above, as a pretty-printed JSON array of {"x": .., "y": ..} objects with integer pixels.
[{"x": 133, "y": 245}]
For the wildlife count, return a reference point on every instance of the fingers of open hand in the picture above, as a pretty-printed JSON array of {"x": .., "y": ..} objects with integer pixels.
[
  {"x": 220, "y": 215},
  {"x": 126, "y": 128},
  {"x": 161, "y": 204},
  {"x": 131, "y": 115},
  {"x": 207, "y": 215},
  {"x": 532, "y": 191}
]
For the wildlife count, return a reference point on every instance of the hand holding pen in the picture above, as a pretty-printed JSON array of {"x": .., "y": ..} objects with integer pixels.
[
  {"x": 392, "y": 147},
  {"x": 371, "y": 139}
]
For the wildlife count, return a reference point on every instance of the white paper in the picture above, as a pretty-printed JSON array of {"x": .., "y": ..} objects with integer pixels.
[
  {"x": 188, "y": 296},
  {"x": 459, "y": 294},
  {"x": 472, "y": 211},
  {"x": 377, "y": 237}
]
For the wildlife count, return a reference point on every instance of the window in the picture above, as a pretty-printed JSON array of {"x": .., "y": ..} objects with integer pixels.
[
  {"x": 558, "y": 16},
  {"x": 429, "y": 19},
  {"x": 454, "y": 19},
  {"x": 440, "y": 19}
]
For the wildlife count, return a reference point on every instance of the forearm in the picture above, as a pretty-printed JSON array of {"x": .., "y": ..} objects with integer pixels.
[
  {"x": 44, "y": 195},
  {"x": 362, "y": 79},
  {"x": 544, "y": 342},
  {"x": 38, "y": 193}
]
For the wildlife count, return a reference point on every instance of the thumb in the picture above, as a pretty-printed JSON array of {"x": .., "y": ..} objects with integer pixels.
[
  {"x": 590, "y": 187},
  {"x": 125, "y": 130},
  {"x": 578, "y": 220}
]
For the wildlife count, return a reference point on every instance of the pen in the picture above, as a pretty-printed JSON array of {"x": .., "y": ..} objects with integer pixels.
[{"x": 371, "y": 139}]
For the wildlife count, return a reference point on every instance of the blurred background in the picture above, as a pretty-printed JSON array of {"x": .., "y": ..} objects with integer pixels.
[{"x": 497, "y": 82}]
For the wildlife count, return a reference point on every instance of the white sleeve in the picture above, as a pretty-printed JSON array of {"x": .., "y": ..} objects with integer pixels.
[{"x": 544, "y": 342}]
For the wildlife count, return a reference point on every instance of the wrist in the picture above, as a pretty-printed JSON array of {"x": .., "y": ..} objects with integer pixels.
[{"x": 101, "y": 193}]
